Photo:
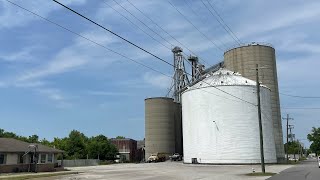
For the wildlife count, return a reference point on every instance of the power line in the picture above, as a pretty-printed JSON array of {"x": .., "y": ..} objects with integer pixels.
[
  {"x": 296, "y": 96},
  {"x": 195, "y": 26},
  {"x": 301, "y": 108},
  {"x": 141, "y": 47},
  {"x": 48, "y": 20},
  {"x": 75, "y": 33},
  {"x": 124, "y": 39},
  {"x": 140, "y": 28},
  {"x": 229, "y": 31},
  {"x": 206, "y": 20},
  {"x": 166, "y": 31},
  {"x": 142, "y": 23},
  {"x": 137, "y": 26},
  {"x": 224, "y": 22}
]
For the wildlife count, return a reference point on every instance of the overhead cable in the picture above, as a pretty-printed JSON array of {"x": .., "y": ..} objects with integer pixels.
[
  {"x": 137, "y": 26},
  {"x": 141, "y": 47},
  {"x": 206, "y": 20},
  {"x": 166, "y": 32},
  {"x": 220, "y": 22},
  {"x": 124, "y": 39},
  {"x": 195, "y": 27},
  {"x": 304, "y": 97},
  {"x": 75, "y": 33},
  {"x": 48, "y": 20}
]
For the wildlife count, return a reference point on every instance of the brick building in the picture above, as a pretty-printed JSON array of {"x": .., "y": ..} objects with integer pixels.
[{"x": 127, "y": 149}]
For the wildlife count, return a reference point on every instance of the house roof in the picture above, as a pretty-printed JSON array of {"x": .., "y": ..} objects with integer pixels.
[{"x": 14, "y": 145}]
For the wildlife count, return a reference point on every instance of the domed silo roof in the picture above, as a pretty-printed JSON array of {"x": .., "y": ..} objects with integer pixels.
[{"x": 220, "y": 121}]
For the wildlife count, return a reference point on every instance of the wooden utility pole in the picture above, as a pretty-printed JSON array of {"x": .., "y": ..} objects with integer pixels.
[
  {"x": 287, "y": 145},
  {"x": 260, "y": 121}
]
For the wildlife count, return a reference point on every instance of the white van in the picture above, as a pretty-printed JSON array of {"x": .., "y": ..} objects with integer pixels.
[{"x": 319, "y": 161}]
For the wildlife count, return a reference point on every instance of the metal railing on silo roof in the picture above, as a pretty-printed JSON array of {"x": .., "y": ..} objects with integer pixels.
[{"x": 248, "y": 44}]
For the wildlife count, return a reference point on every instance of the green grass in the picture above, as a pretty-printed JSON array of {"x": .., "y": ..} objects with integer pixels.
[
  {"x": 293, "y": 162},
  {"x": 261, "y": 174},
  {"x": 35, "y": 175},
  {"x": 303, "y": 158}
]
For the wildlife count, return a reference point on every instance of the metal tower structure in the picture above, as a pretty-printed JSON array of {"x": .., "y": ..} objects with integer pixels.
[{"x": 180, "y": 76}]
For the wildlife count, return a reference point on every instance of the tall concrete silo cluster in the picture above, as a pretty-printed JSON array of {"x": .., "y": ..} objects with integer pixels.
[
  {"x": 163, "y": 132},
  {"x": 216, "y": 127},
  {"x": 243, "y": 59}
]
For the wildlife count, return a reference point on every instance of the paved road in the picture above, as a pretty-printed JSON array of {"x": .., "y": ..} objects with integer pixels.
[
  {"x": 166, "y": 171},
  {"x": 306, "y": 170}
]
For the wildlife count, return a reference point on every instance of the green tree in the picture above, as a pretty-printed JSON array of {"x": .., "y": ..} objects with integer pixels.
[
  {"x": 33, "y": 139},
  {"x": 314, "y": 138},
  {"x": 45, "y": 142},
  {"x": 100, "y": 147},
  {"x": 60, "y": 143},
  {"x": 5, "y": 134},
  {"x": 76, "y": 145},
  {"x": 293, "y": 148},
  {"x": 120, "y": 137}
]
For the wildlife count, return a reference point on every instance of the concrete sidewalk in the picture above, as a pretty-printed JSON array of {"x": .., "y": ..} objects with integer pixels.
[{"x": 22, "y": 176}]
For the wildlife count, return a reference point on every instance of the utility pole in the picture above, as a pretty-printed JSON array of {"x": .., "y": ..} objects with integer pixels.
[
  {"x": 287, "y": 145},
  {"x": 292, "y": 140},
  {"x": 260, "y": 121}
]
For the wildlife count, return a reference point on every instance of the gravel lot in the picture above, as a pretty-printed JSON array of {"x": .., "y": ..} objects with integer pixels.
[{"x": 166, "y": 171}]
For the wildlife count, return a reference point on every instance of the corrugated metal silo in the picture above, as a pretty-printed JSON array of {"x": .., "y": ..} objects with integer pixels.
[
  {"x": 220, "y": 129},
  {"x": 159, "y": 126},
  {"x": 243, "y": 60}
]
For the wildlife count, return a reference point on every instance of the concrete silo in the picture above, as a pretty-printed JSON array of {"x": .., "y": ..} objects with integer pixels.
[
  {"x": 178, "y": 128},
  {"x": 243, "y": 60},
  {"x": 160, "y": 126},
  {"x": 220, "y": 129}
]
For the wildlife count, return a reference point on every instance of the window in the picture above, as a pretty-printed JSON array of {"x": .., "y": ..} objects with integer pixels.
[
  {"x": 43, "y": 158},
  {"x": 2, "y": 158},
  {"x": 50, "y": 158},
  {"x": 20, "y": 158}
]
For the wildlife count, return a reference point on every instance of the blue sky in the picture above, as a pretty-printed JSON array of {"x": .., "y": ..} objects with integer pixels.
[{"x": 52, "y": 81}]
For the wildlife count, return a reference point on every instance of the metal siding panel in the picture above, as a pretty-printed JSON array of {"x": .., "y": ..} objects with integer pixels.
[{"x": 234, "y": 137}]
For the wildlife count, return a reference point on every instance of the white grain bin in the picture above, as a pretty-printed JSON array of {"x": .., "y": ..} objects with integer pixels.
[{"x": 221, "y": 129}]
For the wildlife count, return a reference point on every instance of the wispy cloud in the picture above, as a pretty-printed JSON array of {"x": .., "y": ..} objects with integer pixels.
[
  {"x": 156, "y": 80},
  {"x": 11, "y": 17},
  {"x": 307, "y": 12},
  {"x": 23, "y": 55},
  {"x": 80, "y": 53},
  {"x": 29, "y": 84},
  {"x": 108, "y": 93},
  {"x": 56, "y": 96},
  {"x": 2, "y": 84},
  {"x": 64, "y": 62}
]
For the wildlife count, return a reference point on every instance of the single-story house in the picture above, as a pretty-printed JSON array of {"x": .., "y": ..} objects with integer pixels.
[{"x": 20, "y": 156}]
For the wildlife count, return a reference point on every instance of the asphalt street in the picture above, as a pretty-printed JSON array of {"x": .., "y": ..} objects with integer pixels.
[{"x": 308, "y": 169}]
